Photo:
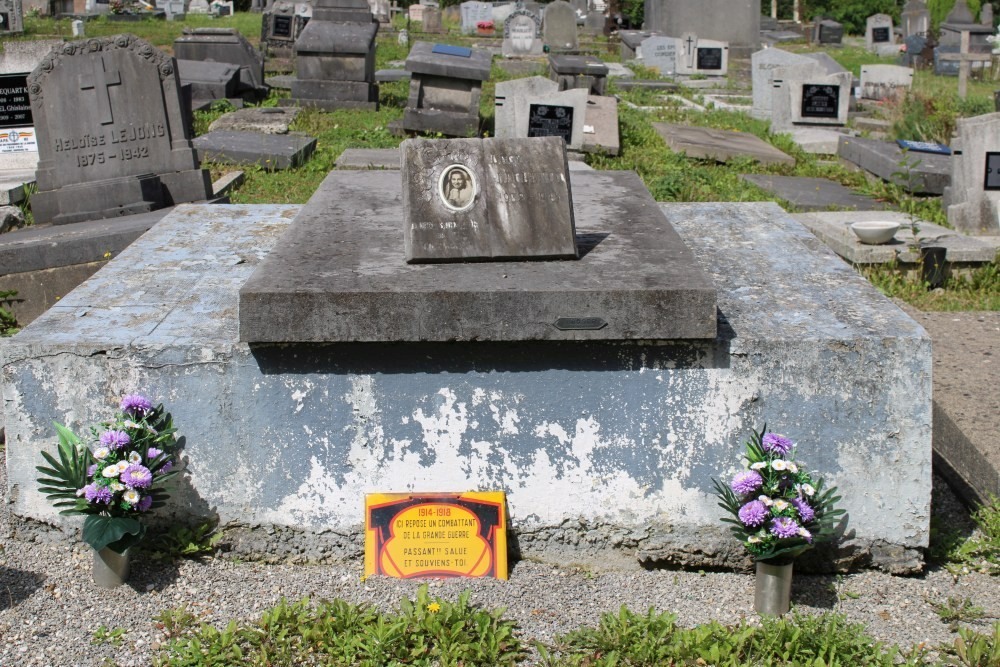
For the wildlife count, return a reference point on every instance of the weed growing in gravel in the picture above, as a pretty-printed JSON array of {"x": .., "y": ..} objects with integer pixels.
[
  {"x": 426, "y": 631},
  {"x": 654, "y": 639},
  {"x": 113, "y": 636},
  {"x": 980, "y": 552},
  {"x": 958, "y": 609},
  {"x": 181, "y": 541},
  {"x": 972, "y": 649}
]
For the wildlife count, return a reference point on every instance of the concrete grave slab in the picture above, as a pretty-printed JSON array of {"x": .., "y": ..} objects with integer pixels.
[
  {"x": 270, "y": 151},
  {"x": 341, "y": 420},
  {"x": 209, "y": 80},
  {"x": 720, "y": 145},
  {"x": 475, "y": 301},
  {"x": 600, "y": 126},
  {"x": 966, "y": 441},
  {"x": 389, "y": 158},
  {"x": 923, "y": 173},
  {"x": 816, "y": 140},
  {"x": 265, "y": 120},
  {"x": 812, "y": 194},
  {"x": 619, "y": 71},
  {"x": 12, "y": 185},
  {"x": 226, "y": 45},
  {"x": 833, "y": 228},
  {"x": 880, "y": 82}
]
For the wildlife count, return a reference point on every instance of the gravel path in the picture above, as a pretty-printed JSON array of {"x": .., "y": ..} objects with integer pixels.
[{"x": 49, "y": 608}]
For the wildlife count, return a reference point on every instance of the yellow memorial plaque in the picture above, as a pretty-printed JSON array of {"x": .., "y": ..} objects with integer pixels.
[{"x": 436, "y": 534}]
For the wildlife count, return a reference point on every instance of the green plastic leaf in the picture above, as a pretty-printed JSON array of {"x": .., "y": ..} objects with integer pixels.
[{"x": 100, "y": 530}]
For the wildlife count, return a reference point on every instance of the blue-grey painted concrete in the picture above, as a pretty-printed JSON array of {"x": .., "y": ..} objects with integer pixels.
[{"x": 606, "y": 450}]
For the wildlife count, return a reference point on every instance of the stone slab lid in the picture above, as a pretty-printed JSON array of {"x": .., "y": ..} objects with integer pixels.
[
  {"x": 720, "y": 145},
  {"x": 423, "y": 60},
  {"x": 330, "y": 37},
  {"x": 563, "y": 64},
  {"x": 339, "y": 274}
]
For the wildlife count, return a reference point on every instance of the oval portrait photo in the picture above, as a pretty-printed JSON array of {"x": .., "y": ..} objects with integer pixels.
[{"x": 458, "y": 187}]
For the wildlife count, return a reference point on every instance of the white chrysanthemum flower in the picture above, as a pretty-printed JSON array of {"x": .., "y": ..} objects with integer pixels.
[
  {"x": 101, "y": 453},
  {"x": 753, "y": 539},
  {"x": 804, "y": 533},
  {"x": 131, "y": 496},
  {"x": 122, "y": 466},
  {"x": 779, "y": 464},
  {"x": 780, "y": 505},
  {"x": 766, "y": 500},
  {"x": 111, "y": 471},
  {"x": 760, "y": 465},
  {"x": 130, "y": 424},
  {"x": 134, "y": 457},
  {"x": 792, "y": 467},
  {"x": 117, "y": 486},
  {"x": 808, "y": 489}
]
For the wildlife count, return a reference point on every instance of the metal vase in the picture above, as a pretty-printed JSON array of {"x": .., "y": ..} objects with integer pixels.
[
  {"x": 773, "y": 592},
  {"x": 110, "y": 567}
]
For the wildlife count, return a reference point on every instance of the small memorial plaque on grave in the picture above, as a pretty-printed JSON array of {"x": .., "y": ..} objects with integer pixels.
[
  {"x": 282, "y": 26},
  {"x": 820, "y": 101},
  {"x": 546, "y": 120},
  {"x": 992, "y": 171},
  {"x": 449, "y": 50},
  {"x": 486, "y": 199},
  {"x": 15, "y": 107},
  {"x": 710, "y": 58},
  {"x": 436, "y": 535},
  {"x": 923, "y": 147},
  {"x": 880, "y": 35}
]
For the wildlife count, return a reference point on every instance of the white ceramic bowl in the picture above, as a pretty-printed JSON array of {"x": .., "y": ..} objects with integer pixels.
[{"x": 875, "y": 232}]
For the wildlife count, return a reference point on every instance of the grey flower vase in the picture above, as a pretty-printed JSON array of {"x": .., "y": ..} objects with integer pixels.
[
  {"x": 110, "y": 567},
  {"x": 773, "y": 593}
]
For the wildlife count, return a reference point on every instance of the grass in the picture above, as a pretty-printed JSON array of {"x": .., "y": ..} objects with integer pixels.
[
  {"x": 432, "y": 631},
  {"x": 979, "y": 552}
]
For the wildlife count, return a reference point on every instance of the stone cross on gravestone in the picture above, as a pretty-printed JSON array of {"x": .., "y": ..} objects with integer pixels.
[
  {"x": 99, "y": 82},
  {"x": 690, "y": 42},
  {"x": 965, "y": 60}
]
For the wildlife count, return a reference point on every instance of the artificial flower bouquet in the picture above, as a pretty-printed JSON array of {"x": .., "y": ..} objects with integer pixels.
[
  {"x": 779, "y": 510},
  {"x": 117, "y": 480}
]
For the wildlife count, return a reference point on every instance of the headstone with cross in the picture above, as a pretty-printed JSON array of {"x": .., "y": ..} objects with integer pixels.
[
  {"x": 965, "y": 61},
  {"x": 702, "y": 56},
  {"x": 132, "y": 153}
]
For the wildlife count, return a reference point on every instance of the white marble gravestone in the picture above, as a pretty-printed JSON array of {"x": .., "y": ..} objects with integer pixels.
[{"x": 521, "y": 35}]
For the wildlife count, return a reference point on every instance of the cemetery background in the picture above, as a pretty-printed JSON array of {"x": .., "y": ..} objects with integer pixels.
[{"x": 670, "y": 178}]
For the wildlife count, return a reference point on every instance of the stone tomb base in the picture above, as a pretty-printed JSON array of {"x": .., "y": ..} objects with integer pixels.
[{"x": 606, "y": 449}]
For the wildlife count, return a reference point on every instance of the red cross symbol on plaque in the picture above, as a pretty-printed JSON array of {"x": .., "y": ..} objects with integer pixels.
[{"x": 100, "y": 81}]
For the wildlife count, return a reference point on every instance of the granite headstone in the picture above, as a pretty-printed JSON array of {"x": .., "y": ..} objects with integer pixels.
[
  {"x": 226, "y": 45},
  {"x": 559, "y": 26},
  {"x": 445, "y": 88},
  {"x": 879, "y": 32},
  {"x": 132, "y": 153},
  {"x": 972, "y": 201},
  {"x": 880, "y": 82}
]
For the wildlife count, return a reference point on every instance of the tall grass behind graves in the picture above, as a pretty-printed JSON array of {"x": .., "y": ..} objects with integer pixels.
[{"x": 159, "y": 33}]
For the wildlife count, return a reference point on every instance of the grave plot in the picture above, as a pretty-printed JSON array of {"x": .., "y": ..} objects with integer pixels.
[
  {"x": 916, "y": 172},
  {"x": 813, "y": 194},
  {"x": 720, "y": 145}
]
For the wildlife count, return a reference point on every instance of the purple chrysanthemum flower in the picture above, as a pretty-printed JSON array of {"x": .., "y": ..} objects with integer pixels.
[
  {"x": 784, "y": 527},
  {"x": 136, "y": 405},
  {"x": 115, "y": 439},
  {"x": 97, "y": 494},
  {"x": 806, "y": 512},
  {"x": 144, "y": 504},
  {"x": 165, "y": 468},
  {"x": 152, "y": 453},
  {"x": 746, "y": 482},
  {"x": 753, "y": 513},
  {"x": 91, "y": 470},
  {"x": 137, "y": 477},
  {"x": 777, "y": 444}
]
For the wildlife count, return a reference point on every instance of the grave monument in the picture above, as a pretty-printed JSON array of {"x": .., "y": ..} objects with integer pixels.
[
  {"x": 736, "y": 22},
  {"x": 11, "y": 17},
  {"x": 702, "y": 56},
  {"x": 445, "y": 86},
  {"x": 522, "y": 35},
  {"x": 535, "y": 107},
  {"x": 659, "y": 52},
  {"x": 18, "y": 139},
  {"x": 559, "y": 26},
  {"x": 973, "y": 199},
  {"x": 879, "y": 35},
  {"x": 132, "y": 154},
  {"x": 226, "y": 45},
  {"x": 916, "y": 18},
  {"x": 335, "y": 57},
  {"x": 880, "y": 82},
  {"x": 474, "y": 12},
  {"x": 828, "y": 31}
]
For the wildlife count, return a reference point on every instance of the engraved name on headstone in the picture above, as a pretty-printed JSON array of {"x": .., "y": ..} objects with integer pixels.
[
  {"x": 992, "y": 171},
  {"x": 546, "y": 120},
  {"x": 486, "y": 199},
  {"x": 820, "y": 101},
  {"x": 709, "y": 58}
]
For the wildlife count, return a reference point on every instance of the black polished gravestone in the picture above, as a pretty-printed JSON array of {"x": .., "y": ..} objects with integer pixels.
[
  {"x": 15, "y": 109},
  {"x": 992, "y": 179},
  {"x": 112, "y": 137},
  {"x": 820, "y": 101},
  {"x": 547, "y": 120},
  {"x": 486, "y": 199},
  {"x": 710, "y": 58},
  {"x": 880, "y": 35}
]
